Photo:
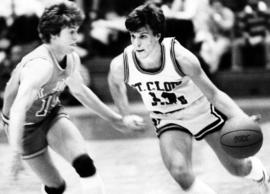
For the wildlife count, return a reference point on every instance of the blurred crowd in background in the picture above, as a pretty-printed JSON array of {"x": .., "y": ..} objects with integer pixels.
[{"x": 226, "y": 35}]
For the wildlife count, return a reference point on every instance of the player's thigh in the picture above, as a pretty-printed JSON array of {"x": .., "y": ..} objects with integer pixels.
[
  {"x": 229, "y": 162},
  {"x": 176, "y": 148},
  {"x": 44, "y": 168},
  {"x": 65, "y": 138}
]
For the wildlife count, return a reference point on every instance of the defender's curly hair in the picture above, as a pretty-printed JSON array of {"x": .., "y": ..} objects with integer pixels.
[{"x": 58, "y": 16}]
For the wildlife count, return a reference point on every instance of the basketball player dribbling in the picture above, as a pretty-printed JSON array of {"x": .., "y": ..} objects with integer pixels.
[
  {"x": 32, "y": 113},
  {"x": 182, "y": 101}
]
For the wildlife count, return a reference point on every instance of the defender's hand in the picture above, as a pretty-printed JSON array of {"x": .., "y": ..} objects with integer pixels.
[
  {"x": 134, "y": 122},
  {"x": 129, "y": 123}
]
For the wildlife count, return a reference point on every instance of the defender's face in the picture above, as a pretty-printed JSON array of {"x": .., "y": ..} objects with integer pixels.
[
  {"x": 67, "y": 39},
  {"x": 144, "y": 41}
]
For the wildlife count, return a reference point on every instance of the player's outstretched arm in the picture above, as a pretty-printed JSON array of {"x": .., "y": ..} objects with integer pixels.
[
  {"x": 32, "y": 77},
  {"x": 117, "y": 85},
  {"x": 119, "y": 93},
  {"x": 91, "y": 101},
  {"x": 85, "y": 95}
]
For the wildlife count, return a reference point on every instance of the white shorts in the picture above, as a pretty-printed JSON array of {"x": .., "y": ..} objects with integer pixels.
[{"x": 198, "y": 120}]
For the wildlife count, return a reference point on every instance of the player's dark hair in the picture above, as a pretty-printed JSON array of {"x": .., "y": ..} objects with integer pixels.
[
  {"x": 59, "y": 16},
  {"x": 146, "y": 15}
]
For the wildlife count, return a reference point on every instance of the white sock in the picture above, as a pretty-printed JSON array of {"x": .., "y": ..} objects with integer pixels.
[
  {"x": 257, "y": 169},
  {"x": 93, "y": 184},
  {"x": 199, "y": 187}
]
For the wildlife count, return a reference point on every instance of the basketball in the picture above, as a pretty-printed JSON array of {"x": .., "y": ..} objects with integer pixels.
[{"x": 241, "y": 139}]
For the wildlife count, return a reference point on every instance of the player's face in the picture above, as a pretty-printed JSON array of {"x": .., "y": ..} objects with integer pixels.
[
  {"x": 144, "y": 42},
  {"x": 67, "y": 39}
]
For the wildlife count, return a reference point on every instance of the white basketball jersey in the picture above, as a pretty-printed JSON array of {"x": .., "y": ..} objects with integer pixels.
[{"x": 166, "y": 89}]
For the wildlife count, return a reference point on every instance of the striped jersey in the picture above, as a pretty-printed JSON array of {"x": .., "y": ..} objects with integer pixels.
[
  {"x": 166, "y": 89},
  {"x": 48, "y": 95}
]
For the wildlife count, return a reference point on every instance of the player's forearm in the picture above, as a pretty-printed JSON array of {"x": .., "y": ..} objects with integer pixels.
[
  {"x": 23, "y": 101},
  {"x": 16, "y": 127},
  {"x": 119, "y": 95},
  {"x": 121, "y": 102},
  {"x": 227, "y": 106},
  {"x": 91, "y": 101}
]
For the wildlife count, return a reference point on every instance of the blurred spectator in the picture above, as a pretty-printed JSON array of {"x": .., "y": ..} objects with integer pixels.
[
  {"x": 192, "y": 13},
  {"x": 108, "y": 30},
  {"x": 217, "y": 41},
  {"x": 15, "y": 41},
  {"x": 252, "y": 31},
  {"x": 4, "y": 41},
  {"x": 179, "y": 20},
  {"x": 24, "y": 29},
  {"x": 23, "y": 35},
  {"x": 184, "y": 20},
  {"x": 9, "y": 8},
  {"x": 201, "y": 19},
  {"x": 234, "y": 5},
  {"x": 4, "y": 46},
  {"x": 90, "y": 9}
]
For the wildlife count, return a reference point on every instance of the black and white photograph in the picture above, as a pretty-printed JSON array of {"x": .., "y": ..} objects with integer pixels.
[{"x": 135, "y": 97}]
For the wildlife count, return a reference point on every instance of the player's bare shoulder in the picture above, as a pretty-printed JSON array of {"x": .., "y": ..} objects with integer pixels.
[
  {"x": 37, "y": 71},
  {"x": 189, "y": 63}
]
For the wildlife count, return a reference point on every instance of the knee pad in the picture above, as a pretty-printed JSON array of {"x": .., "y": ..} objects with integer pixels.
[
  {"x": 52, "y": 190},
  {"x": 84, "y": 166}
]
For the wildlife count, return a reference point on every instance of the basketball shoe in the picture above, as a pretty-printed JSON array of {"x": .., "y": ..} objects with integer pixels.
[{"x": 44, "y": 192}]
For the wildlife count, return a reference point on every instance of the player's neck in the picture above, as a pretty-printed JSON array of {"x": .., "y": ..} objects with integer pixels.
[
  {"x": 56, "y": 52},
  {"x": 153, "y": 60}
]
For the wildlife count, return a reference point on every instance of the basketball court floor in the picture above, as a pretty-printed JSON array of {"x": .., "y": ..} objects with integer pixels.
[{"x": 131, "y": 163}]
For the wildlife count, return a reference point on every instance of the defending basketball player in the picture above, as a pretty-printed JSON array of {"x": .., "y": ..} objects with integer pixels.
[
  {"x": 183, "y": 103},
  {"x": 32, "y": 113}
]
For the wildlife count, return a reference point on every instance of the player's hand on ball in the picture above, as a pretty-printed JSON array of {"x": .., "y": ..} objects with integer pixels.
[
  {"x": 256, "y": 118},
  {"x": 134, "y": 122}
]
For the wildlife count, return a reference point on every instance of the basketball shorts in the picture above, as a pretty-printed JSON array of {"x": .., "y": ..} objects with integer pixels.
[
  {"x": 34, "y": 140},
  {"x": 198, "y": 119}
]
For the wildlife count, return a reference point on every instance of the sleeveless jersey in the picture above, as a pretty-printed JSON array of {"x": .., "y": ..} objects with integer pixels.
[
  {"x": 48, "y": 95},
  {"x": 165, "y": 90}
]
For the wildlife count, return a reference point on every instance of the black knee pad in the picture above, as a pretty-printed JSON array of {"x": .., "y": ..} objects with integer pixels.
[
  {"x": 59, "y": 190},
  {"x": 84, "y": 166}
]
